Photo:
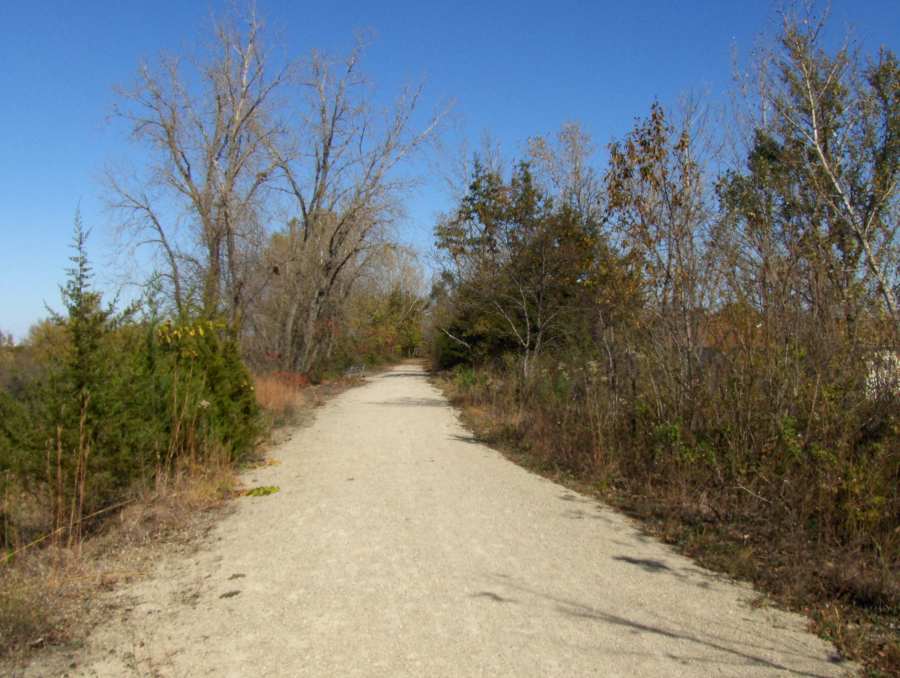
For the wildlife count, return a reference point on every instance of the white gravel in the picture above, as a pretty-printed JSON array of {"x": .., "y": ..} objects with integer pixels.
[{"x": 399, "y": 546}]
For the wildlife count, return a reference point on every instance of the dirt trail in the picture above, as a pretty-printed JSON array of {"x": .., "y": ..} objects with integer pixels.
[{"x": 399, "y": 546}]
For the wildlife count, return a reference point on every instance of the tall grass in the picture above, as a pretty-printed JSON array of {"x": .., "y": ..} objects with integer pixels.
[{"x": 281, "y": 395}]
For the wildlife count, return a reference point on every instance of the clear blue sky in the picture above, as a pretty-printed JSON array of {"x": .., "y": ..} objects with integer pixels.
[{"x": 515, "y": 69}]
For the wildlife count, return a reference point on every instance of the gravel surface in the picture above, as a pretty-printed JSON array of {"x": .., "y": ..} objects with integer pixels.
[{"x": 399, "y": 546}]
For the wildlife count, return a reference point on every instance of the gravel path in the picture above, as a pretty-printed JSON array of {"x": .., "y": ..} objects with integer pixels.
[{"x": 399, "y": 546}]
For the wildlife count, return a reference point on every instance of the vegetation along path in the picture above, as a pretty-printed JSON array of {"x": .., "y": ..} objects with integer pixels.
[{"x": 400, "y": 546}]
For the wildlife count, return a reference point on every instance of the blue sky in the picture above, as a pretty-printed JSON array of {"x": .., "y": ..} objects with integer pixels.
[{"x": 515, "y": 69}]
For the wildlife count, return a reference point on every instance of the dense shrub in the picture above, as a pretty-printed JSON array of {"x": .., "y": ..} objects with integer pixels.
[{"x": 104, "y": 402}]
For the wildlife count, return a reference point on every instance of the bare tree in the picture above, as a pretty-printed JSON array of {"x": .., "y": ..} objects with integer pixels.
[
  {"x": 842, "y": 117},
  {"x": 208, "y": 165},
  {"x": 338, "y": 170},
  {"x": 564, "y": 163}
]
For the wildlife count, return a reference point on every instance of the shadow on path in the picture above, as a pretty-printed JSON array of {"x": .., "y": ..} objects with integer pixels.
[
  {"x": 413, "y": 402},
  {"x": 403, "y": 375},
  {"x": 745, "y": 653}
]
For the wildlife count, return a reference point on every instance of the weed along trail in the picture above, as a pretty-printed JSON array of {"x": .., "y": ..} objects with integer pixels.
[{"x": 397, "y": 545}]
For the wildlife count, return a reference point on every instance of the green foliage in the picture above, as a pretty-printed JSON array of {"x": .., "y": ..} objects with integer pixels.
[
  {"x": 13, "y": 425},
  {"x": 521, "y": 266},
  {"x": 202, "y": 360},
  {"x": 465, "y": 377},
  {"x": 103, "y": 401},
  {"x": 262, "y": 491}
]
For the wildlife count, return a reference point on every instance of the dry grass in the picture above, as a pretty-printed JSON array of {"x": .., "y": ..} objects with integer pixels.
[
  {"x": 281, "y": 395},
  {"x": 794, "y": 572},
  {"x": 286, "y": 398},
  {"x": 48, "y": 594},
  {"x": 35, "y": 596}
]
